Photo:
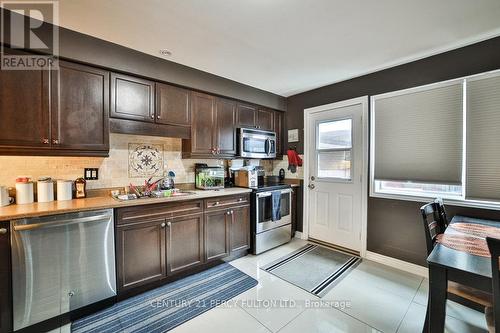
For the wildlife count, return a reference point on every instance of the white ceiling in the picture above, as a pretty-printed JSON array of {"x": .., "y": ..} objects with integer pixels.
[{"x": 286, "y": 46}]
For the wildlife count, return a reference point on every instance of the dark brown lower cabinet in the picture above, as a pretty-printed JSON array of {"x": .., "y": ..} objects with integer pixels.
[
  {"x": 184, "y": 243},
  {"x": 159, "y": 242},
  {"x": 141, "y": 253},
  {"x": 5, "y": 283},
  {"x": 217, "y": 226},
  {"x": 240, "y": 228}
]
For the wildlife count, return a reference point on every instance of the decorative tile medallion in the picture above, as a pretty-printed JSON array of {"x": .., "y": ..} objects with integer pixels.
[{"x": 145, "y": 160}]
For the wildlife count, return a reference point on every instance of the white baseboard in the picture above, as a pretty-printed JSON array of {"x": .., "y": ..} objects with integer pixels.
[
  {"x": 398, "y": 264},
  {"x": 299, "y": 235}
]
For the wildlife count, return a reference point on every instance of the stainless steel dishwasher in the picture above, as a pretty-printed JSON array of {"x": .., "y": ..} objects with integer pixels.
[{"x": 61, "y": 263}]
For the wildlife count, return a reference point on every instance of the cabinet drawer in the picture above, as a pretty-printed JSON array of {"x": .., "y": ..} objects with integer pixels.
[
  {"x": 164, "y": 210},
  {"x": 225, "y": 202}
]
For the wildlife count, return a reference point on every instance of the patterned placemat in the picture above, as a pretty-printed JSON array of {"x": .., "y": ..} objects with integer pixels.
[
  {"x": 465, "y": 243},
  {"x": 475, "y": 229}
]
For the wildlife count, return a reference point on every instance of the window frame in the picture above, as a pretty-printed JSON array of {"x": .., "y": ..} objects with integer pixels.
[
  {"x": 423, "y": 197},
  {"x": 327, "y": 150}
]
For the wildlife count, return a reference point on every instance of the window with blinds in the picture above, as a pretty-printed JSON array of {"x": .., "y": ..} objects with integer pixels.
[{"x": 418, "y": 146}]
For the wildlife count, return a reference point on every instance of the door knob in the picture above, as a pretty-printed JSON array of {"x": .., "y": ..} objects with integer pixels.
[
  {"x": 152, "y": 116},
  {"x": 313, "y": 178},
  {"x": 163, "y": 225},
  {"x": 169, "y": 224},
  {"x": 311, "y": 186},
  {"x": 71, "y": 294}
]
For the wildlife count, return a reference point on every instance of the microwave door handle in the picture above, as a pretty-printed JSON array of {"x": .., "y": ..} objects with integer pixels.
[{"x": 268, "y": 146}]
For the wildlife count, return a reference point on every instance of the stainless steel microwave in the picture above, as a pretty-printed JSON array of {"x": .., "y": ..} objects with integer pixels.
[{"x": 253, "y": 143}]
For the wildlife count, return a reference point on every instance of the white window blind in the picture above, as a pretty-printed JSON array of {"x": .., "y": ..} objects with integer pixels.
[
  {"x": 483, "y": 139},
  {"x": 418, "y": 135}
]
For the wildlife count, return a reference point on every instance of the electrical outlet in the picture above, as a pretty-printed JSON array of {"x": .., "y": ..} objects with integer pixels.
[{"x": 91, "y": 173}]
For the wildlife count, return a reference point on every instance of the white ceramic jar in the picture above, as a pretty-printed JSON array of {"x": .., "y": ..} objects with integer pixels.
[
  {"x": 64, "y": 189},
  {"x": 24, "y": 191},
  {"x": 45, "y": 190}
]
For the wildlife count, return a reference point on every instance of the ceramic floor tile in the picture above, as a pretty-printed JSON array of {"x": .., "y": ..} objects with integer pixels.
[
  {"x": 222, "y": 320},
  {"x": 274, "y": 302},
  {"x": 274, "y": 254},
  {"x": 414, "y": 321},
  {"x": 395, "y": 281},
  {"x": 326, "y": 320},
  {"x": 374, "y": 306},
  {"x": 422, "y": 293}
]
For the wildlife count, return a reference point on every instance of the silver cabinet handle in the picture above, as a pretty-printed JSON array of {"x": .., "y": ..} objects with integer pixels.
[
  {"x": 3, "y": 231},
  {"x": 216, "y": 203},
  {"x": 232, "y": 212},
  {"x": 240, "y": 199},
  {"x": 228, "y": 213},
  {"x": 45, "y": 141},
  {"x": 55, "y": 141},
  {"x": 152, "y": 116},
  {"x": 96, "y": 218},
  {"x": 163, "y": 225},
  {"x": 169, "y": 224}
]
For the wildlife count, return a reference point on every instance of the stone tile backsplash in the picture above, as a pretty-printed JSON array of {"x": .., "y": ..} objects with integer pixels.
[{"x": 114, "y": 171}]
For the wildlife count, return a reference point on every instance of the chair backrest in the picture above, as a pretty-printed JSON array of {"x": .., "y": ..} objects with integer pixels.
[
  {"x": 494, "y": 246},
  {"x": 433, "y": 224},
  {"x": 442, "y": 211}
]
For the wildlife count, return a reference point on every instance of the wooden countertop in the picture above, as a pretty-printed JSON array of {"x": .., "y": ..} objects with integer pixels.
[{"x": 13, "y": 212}]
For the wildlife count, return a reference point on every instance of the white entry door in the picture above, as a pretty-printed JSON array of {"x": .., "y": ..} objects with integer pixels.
[{"x": 335, "y": 176}]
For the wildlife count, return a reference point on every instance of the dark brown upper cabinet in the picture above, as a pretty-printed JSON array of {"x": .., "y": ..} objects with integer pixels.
[
  {"x": 58, "y": 112},
  {"x": 213, "y": 127},
  {"x": 225, "y": 127},
  {"x": 80, "y": 119},
  {"x": 247, "y": 115},
  {"x": 132, "y": 98},
  {"x": 202, "y": 141},
  {"x": 265, "y": 119},
  {"x": 279, "y": 123},
  {"x": 250, "y": 116},
  {"x": 172, "y": 105},
  {"x": 24, "y": 110}
]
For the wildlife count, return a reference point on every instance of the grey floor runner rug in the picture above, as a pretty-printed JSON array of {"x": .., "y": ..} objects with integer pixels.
[
  {"x": 161, "y": 309},
  {"x": 313, "y": 268}
]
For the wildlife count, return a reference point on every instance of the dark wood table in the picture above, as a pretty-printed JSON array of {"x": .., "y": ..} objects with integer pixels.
[{"x": 462, "y": 267}]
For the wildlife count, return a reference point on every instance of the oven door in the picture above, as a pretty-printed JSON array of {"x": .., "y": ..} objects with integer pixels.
[{"x": 264, "y": 210}]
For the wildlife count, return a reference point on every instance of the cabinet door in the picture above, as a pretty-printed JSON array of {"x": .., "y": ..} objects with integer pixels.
[
  {"x": 279, "y": 129},
  {"x": 140, "y": 253},
  {"x": 217, "y": 226},
  {"x": 5, "y": 273},
  {"x": 225, "y": 129},
  {"x": 80, "y": 113},
  {"x": 265, "y": 119},
  {"x": 246, "y": 115},
  {"x": 240, "y": 228},
  {"x": 24, "y": 108},
  {"x": 172, "y": 105},
  {"x": 202, "y": 128},
  {"x": 132, "y": 98},
  {"x": 184, "y": 242}
]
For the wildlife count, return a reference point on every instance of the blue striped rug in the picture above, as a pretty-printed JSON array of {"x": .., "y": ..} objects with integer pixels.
[{"x": 163, "y": 308}]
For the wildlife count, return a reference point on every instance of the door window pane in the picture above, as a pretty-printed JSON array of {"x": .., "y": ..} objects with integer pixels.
[
  {"x": 335, "y": 134},
  {"x": 334, "y": 164}
]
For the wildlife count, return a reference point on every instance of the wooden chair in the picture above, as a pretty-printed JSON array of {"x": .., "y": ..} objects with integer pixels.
[
  {"x": 435, "y": 223},
  {"x": 493, "y": 312}
]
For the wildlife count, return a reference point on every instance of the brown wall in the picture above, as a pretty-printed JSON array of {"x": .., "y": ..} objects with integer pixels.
[
  {"x": 83, "y": 48},
  {"x": 394, "y": 227}
]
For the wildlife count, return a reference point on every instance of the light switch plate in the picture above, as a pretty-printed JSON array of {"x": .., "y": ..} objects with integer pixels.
[{"x": 91, "y": 173}]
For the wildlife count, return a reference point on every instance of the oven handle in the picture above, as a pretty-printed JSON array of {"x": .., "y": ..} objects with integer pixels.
[{"x": 268, "y": 194}]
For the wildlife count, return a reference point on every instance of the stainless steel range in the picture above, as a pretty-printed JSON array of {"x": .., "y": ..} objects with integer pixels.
[{"x": 267, "y": 233}]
